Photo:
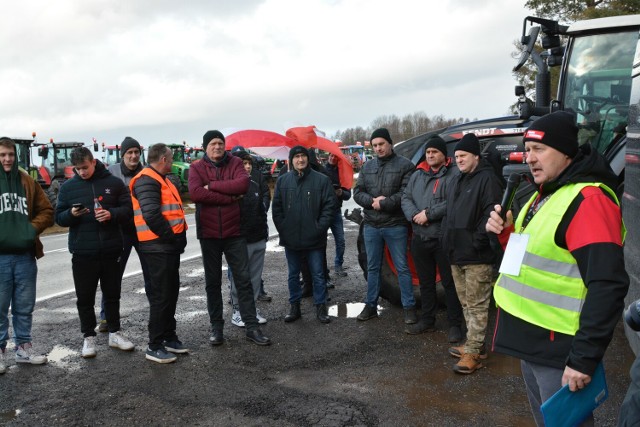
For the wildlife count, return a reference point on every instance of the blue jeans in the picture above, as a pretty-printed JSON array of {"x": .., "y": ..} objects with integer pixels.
[
  {"x": 315, "y": 260},
  {"x": 337, "y": 229},
  {"x": 396, "y": 240},
  {"x": 18, "y": 289}
]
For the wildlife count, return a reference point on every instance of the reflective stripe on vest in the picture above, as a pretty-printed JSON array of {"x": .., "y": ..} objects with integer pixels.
[
  {"x": 549, "y": 291},
  {"x": 171, "y": 207}
]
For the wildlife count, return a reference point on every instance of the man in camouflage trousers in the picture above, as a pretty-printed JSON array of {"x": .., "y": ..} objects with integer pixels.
[{"x": 471, "y": 196}]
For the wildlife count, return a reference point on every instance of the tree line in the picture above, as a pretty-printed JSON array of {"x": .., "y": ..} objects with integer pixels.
[{"x": 400, "y": 128}]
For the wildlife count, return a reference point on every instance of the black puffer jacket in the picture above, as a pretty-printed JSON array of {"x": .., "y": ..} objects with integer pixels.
[
  {"x": 87, "y": 236},
  {"x": 147, "y": 191},
  {"x": 471, "y": 198},
  {"x": 303, "y": 208},
  {"x": 254, "y": 225},
  {"x": 383, "y": 177},
  {"x": 426, "y": 191}
]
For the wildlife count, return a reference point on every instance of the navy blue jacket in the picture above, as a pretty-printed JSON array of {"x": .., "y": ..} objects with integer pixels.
[{"x": 303, "y": 209}]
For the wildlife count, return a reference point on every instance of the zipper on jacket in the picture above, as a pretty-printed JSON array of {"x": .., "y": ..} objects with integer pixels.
[{"x": 435, "y": 187}]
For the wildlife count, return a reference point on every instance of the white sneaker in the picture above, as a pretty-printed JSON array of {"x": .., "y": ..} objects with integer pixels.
[
  {"x": 3, "y": 367},
  {"x": 24, "y": 354},
  {"x": 89, "y": 348},
  {"x": 236, "y": 319},
  {"x": 117, "y": 340},
  {"x": 261, "y": 320}
]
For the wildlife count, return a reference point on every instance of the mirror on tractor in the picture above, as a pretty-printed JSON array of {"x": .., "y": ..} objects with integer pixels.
[{"x": 43, "y": 151}]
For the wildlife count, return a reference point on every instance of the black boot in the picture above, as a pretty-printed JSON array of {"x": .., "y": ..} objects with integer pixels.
[
  {"x": 294, "y": 313},
  {"x": 322, "y": 314}
]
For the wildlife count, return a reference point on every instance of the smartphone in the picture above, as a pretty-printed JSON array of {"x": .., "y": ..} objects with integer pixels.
[{"x": 78, "y": 205}]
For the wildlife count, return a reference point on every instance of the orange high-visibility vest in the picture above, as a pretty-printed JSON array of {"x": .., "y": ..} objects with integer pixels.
[{"x": 171, "y": 207}]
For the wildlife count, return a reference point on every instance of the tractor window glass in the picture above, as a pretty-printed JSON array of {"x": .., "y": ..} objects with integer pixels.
[{"x": 598, "y": 85}]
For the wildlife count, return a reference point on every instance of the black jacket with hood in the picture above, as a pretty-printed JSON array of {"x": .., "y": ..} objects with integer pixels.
[
  {"x": 303, "y": 208},
  {"x": 601, "y": 266},
  {"x": 87, "y": 236},
  {"x": 471, "y": 198}
]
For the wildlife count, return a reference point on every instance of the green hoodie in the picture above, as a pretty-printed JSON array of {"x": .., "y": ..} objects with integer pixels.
[{"x": 17, "y": 235}]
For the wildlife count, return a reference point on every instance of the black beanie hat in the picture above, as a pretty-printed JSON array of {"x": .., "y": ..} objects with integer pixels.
[
  {"x": 557, "y": 130},
  {"x": 381, "y": 133},
  {"x": 438, "y": 143},
  {"x": 296, "y": 150},
  {"x": 127, "y": 144},
  {"x": 211, "y": 134},
  {"x": 469, "y": 143},
  {"x": 239, "y": 151}
]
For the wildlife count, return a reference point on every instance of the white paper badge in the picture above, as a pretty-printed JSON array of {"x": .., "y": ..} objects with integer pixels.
[{"x": 514, "y": 254}]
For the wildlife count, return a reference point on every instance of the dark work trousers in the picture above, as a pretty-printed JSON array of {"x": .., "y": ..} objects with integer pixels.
[
  {"x": 427, "y": 255},
  {"x": 162, "y": 293},
  {"x": 87, "y": 272},
  {"x": 129, "y": 242},
  {"x": 235, "y": 252}
]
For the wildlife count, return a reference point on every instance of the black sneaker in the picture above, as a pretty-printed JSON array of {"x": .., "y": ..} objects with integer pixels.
[
  {"x": 175, "y": 347},
  {"x": 368, "y": 312},
  {"x": 160, "y": 356}
]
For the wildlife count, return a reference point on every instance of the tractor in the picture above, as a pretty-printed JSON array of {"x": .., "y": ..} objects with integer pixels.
[
  {"x": 56, "y": 166},
  {"x": 180, "y": 169}
]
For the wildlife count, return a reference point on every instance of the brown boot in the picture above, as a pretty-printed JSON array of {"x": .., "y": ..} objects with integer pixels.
[
  {"x": 468, "y": 364},
  {"x": 458, "y": 351}
]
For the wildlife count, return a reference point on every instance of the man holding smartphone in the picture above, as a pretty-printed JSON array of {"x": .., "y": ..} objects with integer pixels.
[{"x": 95, "y": 241}]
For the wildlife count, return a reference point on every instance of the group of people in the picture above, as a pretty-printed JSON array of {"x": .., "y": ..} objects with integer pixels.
[
  {"x": 562, "y": 282},
  {"x": 559, "y": 294}
]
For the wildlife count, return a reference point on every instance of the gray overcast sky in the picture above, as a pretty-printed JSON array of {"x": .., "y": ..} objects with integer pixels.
[{"x": 166, "y": 71}]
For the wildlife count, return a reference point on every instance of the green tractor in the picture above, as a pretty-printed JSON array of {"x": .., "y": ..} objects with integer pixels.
[
  {"x": 179, "y": 175},
  {"x": 23, "y": 155}
]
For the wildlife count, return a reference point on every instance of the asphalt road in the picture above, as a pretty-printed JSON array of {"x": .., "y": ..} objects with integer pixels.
[{"x": 344, "y": 373}]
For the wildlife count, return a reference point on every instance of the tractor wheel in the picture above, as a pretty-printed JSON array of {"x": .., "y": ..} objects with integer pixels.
[{"x": 52, "y": 194}]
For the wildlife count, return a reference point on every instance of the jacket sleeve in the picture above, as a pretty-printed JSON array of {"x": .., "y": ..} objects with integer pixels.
[
  {"x": 328, "y": 204},
  {"x": 277, "y": 210},
  {"x": 63, "y": 208},
  {"x": 492, "y": 193},
  {"x": 266, "y": 193},
  {"x": 392, "y": 203},
  {"x": 123, "y": 213},
  {"x": 409, "y": 207},
  {"x": 199, "y": 194},
  {"x": 346, "y": 193},
  {"x": 360, "y": 194},
  {"x": 41, "y": 209},
  {"x": 594, "y": 238},
  {"x": 147, "y": 191},
  {"x": 237, "y": 185}
]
